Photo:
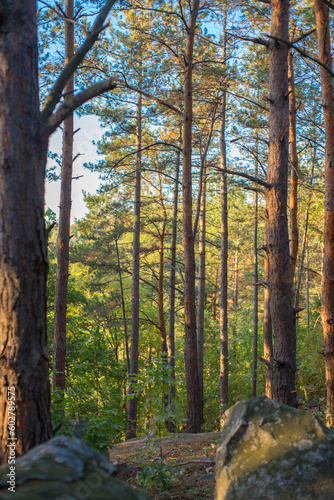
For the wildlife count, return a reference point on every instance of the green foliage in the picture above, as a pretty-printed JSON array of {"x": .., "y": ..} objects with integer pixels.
[
  {"x": 155, "y": 476},
  {"x": 145, "y": 48}
]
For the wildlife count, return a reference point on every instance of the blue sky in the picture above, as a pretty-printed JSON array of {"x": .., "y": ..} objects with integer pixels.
[{"x": 90, "y": 130}]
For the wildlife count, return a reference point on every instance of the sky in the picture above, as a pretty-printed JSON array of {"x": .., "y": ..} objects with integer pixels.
[{"x": 90, "y": 131}]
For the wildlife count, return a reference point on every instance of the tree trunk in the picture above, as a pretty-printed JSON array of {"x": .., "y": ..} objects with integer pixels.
[
  {"x": 282, "y": 314},
  {"x": 126, "y": 341},
  {"x": 327, "y": 302},
  {"x": 24, "y": 365},
  {"x": 267, "y": 326},
  {"x": 201, "y": 289},
  {"x": 307, "y": 292},
  {"x": 63, "y": 244},
  {"x": 190, "y": 349},
  {"x": 214, "y": 296},
  {"x": 255, "y": 290},
  {"x": 294, "y": 172},
  {"x": 301, "y": 261},
  {"x": 161, "y": 311},
  {"x": 223, "y": 379},
  {"x": 235, "y": 294},
  {"x": 171, "y": 315},
  {"x": 134, "y": 350}
]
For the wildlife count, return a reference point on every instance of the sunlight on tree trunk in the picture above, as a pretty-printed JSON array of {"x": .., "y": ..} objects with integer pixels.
[
  {"x": 134, "y": 349},
  {"x": 190, "y": 349},
  {"x": 63, "y": 250},
  {"x": 171, "y": 315},
  {"x": 294, "y": 172},
  {"x": 283, "y": 367},
  {"x": 327, "y": 303},
  {"x": 223, "y": 321}
]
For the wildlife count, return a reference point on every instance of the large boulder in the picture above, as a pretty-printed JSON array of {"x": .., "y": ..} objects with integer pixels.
[
  {"x": 64, "y": 469},
  {"x": 269, "y": 451}
]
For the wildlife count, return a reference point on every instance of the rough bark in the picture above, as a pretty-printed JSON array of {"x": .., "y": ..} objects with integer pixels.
[
  {"x": 307, "y": 292},
  {"x": 294, "y": 171},
  {"x": 201, "y": 290},
  {"x": 171, "y": 313},
  {"x": 190, "y": 349},
  {"x": 223, "y": 321},
  {"x": 283, "y": 367},
  {"x": 126, "y": 341},
  {"x": 161, "y": 310},
  {"x": 63, "y": 244},
  {"x": 327, "y": 295},
  {"x": 214, "y": 296},
  {"x": 134, "y": 350},
  {"x": 267, "y": 327},
  {"x": 255, "y": 291},
  {"x": 24, "y": 364},
  {"x": 301, "y": 261},
  {"x": 235, "y": 294}
]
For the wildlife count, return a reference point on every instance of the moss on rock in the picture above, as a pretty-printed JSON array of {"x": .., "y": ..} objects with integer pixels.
[
  {"x": 272, "y": 451},
  {"x": 65, "y": 469}
]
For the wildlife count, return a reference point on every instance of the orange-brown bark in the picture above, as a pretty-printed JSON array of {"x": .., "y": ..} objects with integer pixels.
[
  {"x": 63, "y": 244},
  {"x": 327, "y": 295},
  {"x": 283, "y": 366},
  {"x": 190, "y": 349},
  {"x": 24, "y": 360},
  {"x": 294, "y": 172}
]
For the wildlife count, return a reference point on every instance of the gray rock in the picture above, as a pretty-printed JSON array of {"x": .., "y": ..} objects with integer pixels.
[
  {"x": 270, "y": 451},
  {"x": 65, "y": 469}
]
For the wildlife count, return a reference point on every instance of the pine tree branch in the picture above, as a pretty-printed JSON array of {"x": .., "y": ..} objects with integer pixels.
[
  {"x": 114, "y": 165},
  {"x": 312, "y": 271},
  {"x": 301, "y": 37},
  {"x": 254, "y": 156},
  {"x": 74, "y": 102},
  {"x": 251, "y": 188},
  {"x": 55, "y": 93},
  {"x": 302, "y": 52},
  {"x": 153, "y": 98},
  {"x": 250, "y": 136},
  {"x": 248, "y": 100},
  {"x": 259, "y": 41},
  {"x": 246, "y": 176}
]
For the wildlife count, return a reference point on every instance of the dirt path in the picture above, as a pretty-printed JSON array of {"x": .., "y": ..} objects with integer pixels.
[{"x": 180, "y": 466}]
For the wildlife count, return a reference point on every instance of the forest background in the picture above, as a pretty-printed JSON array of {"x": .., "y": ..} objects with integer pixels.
[{"x": 143, "y": 50}]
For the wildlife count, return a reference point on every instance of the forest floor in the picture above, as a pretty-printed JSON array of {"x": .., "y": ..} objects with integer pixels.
[{"x": 176, "y": 467}]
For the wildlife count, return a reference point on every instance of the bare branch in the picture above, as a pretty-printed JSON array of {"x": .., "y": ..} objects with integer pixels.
[
  {"x": 304, "y": 35},
  {"x": 312, "y": 271},
  {"x": 153, "y": 98},
  {"x": 74, "y": 102},
  {"x": 255, "y": 157},
  {"x": 248, "y": 100},
  {"x": 251, "y": 188},
  {"x": 144, "y": 149},
  {"x": 259, "y": 41},
  {"x": 303, "y": 53},
  {"x": 246, "y": 176},
  {"x": 55, "y": 93},
  {"x": 250, "y": 136},
  {"x": 265, "y": 361}
]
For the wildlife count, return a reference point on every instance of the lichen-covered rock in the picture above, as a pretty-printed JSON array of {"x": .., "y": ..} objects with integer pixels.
[
  {"x": 269, "y": 451},
  {"x": 64, "y": 469}
]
